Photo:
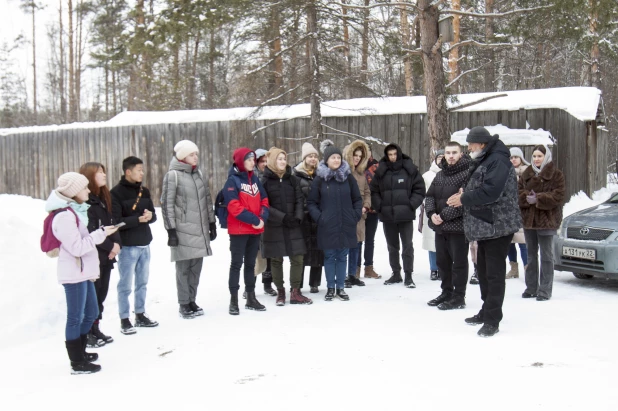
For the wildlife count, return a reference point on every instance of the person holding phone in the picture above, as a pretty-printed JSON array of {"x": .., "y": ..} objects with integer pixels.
[
  {"x": 189, "y": 218},
  {"x": 78, "y": 265},
  {"x": 99, "y": 215}
]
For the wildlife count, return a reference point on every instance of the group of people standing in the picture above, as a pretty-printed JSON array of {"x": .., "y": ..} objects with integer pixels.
[{"x": 318, "y": 214}]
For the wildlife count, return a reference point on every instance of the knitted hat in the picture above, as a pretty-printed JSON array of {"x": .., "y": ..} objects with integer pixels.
[
  {"x": 516, "y": 152},
  {"x": 480, "y": 135},
  {"x": 185, "y": 147},
  {"x": 240, "y": 155},
  {"x": 438, "y": 154},
  {"x": 259, "y": 153},
  {"x": 308, "y": 149},
  {"x": 328, "y": 148},
  {"x": 272, "y": 155},
  {"x": 69, "y": 184}
]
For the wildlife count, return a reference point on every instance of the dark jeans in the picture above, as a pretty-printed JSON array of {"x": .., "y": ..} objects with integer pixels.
[
  {"x": 267, "y": 278},
  {"x": 371, "y": 226},
  {"x": 101, "y": 286},
  {"x": 452, "y": 259},
  {"x": 188, "y": 279},
  {"x": 523, "y": 251},
  {"x": 353, "y": 256},
  {"x": 244, "y": 249},
  {"x": 82, "y": 308},
  {"x": 315, "y": 277},
  {"x": 546, "y": 244},
  {"x": 491, "y": 269},
  {"x": 335, "y": 265},
  {"x": 393, "y": 233}
]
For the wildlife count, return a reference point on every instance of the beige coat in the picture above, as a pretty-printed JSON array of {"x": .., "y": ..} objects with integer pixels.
[
  {"x": 518, "y": 237},
  {"x": 359, "y": 176}
]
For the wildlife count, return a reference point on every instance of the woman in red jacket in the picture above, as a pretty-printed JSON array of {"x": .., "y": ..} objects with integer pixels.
[{"x": 247, "y": 207}]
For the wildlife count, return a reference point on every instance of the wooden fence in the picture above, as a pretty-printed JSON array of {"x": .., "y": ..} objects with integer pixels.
[{"x": 31, "y": 162}]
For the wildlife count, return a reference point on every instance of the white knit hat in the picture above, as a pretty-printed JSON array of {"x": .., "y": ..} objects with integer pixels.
[
  {"x": 185, "y": 147},
  {"x": 308, "y": 149},
  {"x": 69, "y": 184}
]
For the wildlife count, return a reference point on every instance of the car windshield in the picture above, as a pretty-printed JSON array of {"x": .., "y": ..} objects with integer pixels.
[{"x": 614, "y": 198}]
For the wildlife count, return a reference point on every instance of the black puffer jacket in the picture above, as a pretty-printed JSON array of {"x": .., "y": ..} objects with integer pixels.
[
  {"x": 397, "y": 189},
  {"x": 336, "y": 205},
  {"x": 124, "y": 196},
  {"x": 490, "y": 196},
  {"x": 285, "y": 198},
  {"x": 447, "y": 182},
  {"x": 314, "y": 256},
  {"x": 99, "y": 215}
]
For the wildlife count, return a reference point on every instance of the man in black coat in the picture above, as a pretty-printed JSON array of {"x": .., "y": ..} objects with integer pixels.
[
  {"x": 132, "y": 205},
  {"x": 447, "y": 223},
  {"x": 491, "y": 217},
  {"x": 397, "y": 190}
]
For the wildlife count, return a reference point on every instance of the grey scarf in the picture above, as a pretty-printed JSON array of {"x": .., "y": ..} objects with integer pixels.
[{"x": 546, "y": 160}]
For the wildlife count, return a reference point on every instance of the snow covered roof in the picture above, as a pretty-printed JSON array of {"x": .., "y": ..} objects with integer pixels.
[
  {"x": 581, "y": 102},
  {"x": 511, "y": 136}
]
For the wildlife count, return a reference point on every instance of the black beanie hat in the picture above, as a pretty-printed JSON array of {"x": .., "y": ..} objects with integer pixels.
[
  {"x": 328, "y": 148},
  {"x": 479, "y": 135}
]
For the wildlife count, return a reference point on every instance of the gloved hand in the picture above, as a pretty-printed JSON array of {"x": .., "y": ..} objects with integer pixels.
[
  {"x": 172, "y": 238},
  {"x": 531, "y": 198},
  {"x": 290, "y": 221},
  {"x": 213, "y": 231}
]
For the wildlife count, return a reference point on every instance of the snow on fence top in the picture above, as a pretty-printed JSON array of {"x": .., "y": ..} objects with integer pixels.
[
  {"x": 580, "y": 102},
  {"x": 511, "y": 136}
]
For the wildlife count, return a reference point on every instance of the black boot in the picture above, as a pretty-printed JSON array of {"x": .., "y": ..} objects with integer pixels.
[
  {"x": 474, "y": 280},
  {"x": 445, "y": 296},
  {"x": 79, "y": 365},
  {"x": 197, "y": 310},
  {"x": 341, "y": 294},
  {"x": 395, "y": 278},
  {"x": 90, "y": 357},
  {"x": 408, "y": 281},
  {"x": 355, "y": 281},
  {"x": 456, "y": 302},
  {"x": 96, "y": 331},
  {"x": 253, "y": 303},
  {"x": 93, "y": 341},
  {"x": 268, "y": 288},
  {"x": 330, "y": 294},
  {"x": 488, "y": 330},
  {"x": 434, "y": 276},
  {"x": 476, "y": 319},
  {"x": 186, "y": 312},
  {"x": 234, "y": 304}
]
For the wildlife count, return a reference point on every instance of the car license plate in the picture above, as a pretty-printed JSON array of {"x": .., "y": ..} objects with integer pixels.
[{"x": 584, "y": 253}]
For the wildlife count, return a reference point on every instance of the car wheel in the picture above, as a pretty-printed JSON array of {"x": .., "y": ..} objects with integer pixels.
[{"x": 583, "y": 276}]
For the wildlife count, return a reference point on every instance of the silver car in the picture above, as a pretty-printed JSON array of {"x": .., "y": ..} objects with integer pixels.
[{"x": 587, "y": 242}]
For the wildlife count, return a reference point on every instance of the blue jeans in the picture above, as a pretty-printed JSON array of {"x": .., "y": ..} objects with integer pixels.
[
  {"x": 353, "y": 255},
  {"x": 433, "y": 265},
  {"x": 133, "y": 262},
  {"x": 523, "y": 251},
  {"x": 335, "y": 264},
  {"x": 82, "y": 308}
]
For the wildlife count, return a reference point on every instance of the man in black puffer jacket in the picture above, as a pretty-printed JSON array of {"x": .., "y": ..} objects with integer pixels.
[
  {"x": 397, "y": 190},
  {"x": 447, "y": 223},
  {"x": 491, "y": 217}
]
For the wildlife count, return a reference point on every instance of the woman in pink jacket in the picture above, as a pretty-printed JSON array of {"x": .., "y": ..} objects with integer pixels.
[{"x": 78, "y": 264}]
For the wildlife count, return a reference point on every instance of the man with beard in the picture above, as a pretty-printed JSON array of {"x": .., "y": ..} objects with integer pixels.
[
  {"x": 447, "y": 223},
  {"x": 491, "y": 217},
  {"x": 397, "y": 190}
]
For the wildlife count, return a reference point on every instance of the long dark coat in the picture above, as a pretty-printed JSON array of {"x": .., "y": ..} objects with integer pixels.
[
  {"x": 549, "y": 187},
  {"x": 285, "y": 198},
  {"x": 314, "y": 256}
]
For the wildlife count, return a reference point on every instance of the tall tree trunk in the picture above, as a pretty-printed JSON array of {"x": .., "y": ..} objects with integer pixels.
[
  {"x": 595, "y": 54},
  {"x": 211, "y": 69},
  {"x": 417, "y": 65},
  {"x": 365, "y": 46},
  {"x": 72, "y": 108},
  {"x": 78, "y": 63},
  {"x": 490, "y": 75},
  {"x": 61, "y": 85},
  {"x": 192, "y": 84},
  {"x": 437, "y": 115},
  {"x": 453, "y": 58},
  {"x": 135, "y": 98},
  {"x": 407, "y": 58},
  {"x": 294, "y": 61},
  {"x": 34, "y": 104},
  {"x": 346, "y": 51},
  {"x": 278, "y": 72},
  {"x": 314, "y": 58}
]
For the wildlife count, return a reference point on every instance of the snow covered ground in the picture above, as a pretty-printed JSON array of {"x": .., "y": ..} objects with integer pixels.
[{"x": 384, "y": 349}]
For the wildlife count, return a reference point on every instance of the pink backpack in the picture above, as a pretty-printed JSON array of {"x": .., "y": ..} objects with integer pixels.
[{"x": 49, "y": 243}]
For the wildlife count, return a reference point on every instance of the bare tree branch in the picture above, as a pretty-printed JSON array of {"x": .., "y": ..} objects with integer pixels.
[
  {"x": 456, "y": 79},
  {"x": 492, "y": 15},
  {"x": 257, "y": 130},
  {"x": 482, "y": 45},
  {"x": 373, "y": 6},
  {"x": 263, "y": 66},
  {"x": 476, "y": 102}
]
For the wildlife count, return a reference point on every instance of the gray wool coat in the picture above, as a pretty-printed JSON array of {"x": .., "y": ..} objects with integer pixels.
[{"x": 187, "y": 207}]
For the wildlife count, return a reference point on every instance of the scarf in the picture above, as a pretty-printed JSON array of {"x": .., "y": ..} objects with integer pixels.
[
  {"x": 546, "y": 160},
  {"x": 81, "y": 210}
]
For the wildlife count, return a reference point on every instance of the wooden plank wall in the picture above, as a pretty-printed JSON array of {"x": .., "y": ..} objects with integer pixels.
[{"x": 30, "y": 163}]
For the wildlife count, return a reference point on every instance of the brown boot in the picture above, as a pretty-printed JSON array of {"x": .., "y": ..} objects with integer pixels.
[
  {"x": 514, "y": 272},
  {"x": 357, "y": 272},
  {"x": 280, "y": 296},
  {"x": 369, "y": 273},
  {"x": 296, "y": 297}
]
